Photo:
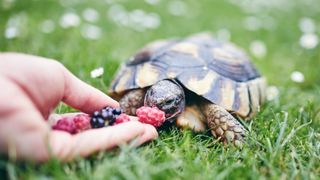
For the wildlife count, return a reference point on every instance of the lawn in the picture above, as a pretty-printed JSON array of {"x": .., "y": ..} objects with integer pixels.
[{"x": 281, "y": 36}]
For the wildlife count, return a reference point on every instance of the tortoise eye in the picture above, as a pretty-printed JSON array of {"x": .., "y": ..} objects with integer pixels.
[{"x": 169, "y": 101}]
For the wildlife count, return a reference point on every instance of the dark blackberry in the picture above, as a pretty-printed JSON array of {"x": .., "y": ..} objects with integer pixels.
[
  {"x": 117, "y": 111},
  {"x": 107, "y": 114},
  {"x": 113, "y": 120},
  {"x": 97, "y": 122},
  {"x": 96, "y": 114}
]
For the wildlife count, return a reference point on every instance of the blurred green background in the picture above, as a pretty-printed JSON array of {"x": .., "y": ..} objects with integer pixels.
[{"x": 281, "y": 36}]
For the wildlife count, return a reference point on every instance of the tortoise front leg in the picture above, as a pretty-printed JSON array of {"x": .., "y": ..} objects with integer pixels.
[
  {"x": 223, "y": 125},
  {"x": 192, "y": 118},
  {"x": 131, "y": 101}
]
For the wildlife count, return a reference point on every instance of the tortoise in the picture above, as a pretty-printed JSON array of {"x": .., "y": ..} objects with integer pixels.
[{"x": 199, "y": 82}]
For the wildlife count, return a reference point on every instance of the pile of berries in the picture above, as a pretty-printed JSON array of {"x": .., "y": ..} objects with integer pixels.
[{"x": 107, "y": 117}]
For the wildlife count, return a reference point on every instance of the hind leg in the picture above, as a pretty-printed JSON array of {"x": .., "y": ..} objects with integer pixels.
[
  {"x": 131, "y": 101},
  {"x": 223, "y": 125}
]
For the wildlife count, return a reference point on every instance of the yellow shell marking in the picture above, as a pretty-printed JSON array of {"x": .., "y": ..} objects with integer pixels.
[
  {"x": 121, "y": 86},
  {"x": 254, "y": 95},
  {"x": 147, "y": 75},
  {"x": 228, "y": 94},
  {"x": 202, "y": 86},
  {"x": 171, "y": 75},
  {"x": 187, "y": 48},
  {"x": 244, "y": 107}
]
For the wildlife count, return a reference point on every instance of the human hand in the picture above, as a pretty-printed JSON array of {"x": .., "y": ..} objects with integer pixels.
[{"x": 30, "y": 88}]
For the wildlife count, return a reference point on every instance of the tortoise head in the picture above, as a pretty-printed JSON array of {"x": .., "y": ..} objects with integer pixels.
[{"x": 168, "y": 96}]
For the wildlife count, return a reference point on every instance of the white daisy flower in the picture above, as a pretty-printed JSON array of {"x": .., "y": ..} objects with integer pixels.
[
  {"x": 297, "y": 76},
  {"x": 309, "y": 40},
  {"x": 91, "y": 32},
  {"x": 177, "y": 8},
  {"x": 90, "y": 15},
  {"x": 307, "y": 25},
  {"x": 98, "y": 72},
  {"x": 258, "y": 48},
  {"x": 69, "y": 19}
]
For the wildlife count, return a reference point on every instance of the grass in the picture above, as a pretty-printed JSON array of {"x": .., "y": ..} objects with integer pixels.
[{"x": 284, "y": 141}]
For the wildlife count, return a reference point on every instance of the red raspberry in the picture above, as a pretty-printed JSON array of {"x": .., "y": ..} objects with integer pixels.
[
  {"x": 74, "y": 124},
  {"x": 65, "y": 124},
  {"x": 82, "y": 122},
  {"x": 121, "y": 119},
  {"x": 151, "y": 115}
]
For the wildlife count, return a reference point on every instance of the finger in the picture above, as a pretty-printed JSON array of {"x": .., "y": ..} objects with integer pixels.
[
  {"x": 83, "y": 96},
  {"x": 150, "y": 133},
  {"x": 22, "y": 128},
  {"x": 47, "y": 82},
  {"x": 65, "y": 146},
  {"x": 134, "y": 118}
]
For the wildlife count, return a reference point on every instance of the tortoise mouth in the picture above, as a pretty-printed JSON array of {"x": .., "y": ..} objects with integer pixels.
[
  {"x": 172, "y": 117},
  {"x": 171, "y": 114}
]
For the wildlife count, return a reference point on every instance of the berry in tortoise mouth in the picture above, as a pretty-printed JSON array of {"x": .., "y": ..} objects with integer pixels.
[{"x": 151, "y": 115}]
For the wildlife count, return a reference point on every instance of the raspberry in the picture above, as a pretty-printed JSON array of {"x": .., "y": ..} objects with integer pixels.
[
  {"x": 74, "y": 124},
  {"x": 65, "y": 124},
  {"x": 121, "y": 119},
  {"x": 82, "y": 122},
  {"x": 151, "y": 115}
]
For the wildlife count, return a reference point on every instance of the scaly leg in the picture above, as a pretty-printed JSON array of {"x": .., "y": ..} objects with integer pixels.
[
  {"x": 223, "y": 125},
  {"x": 131, "y": 101}
]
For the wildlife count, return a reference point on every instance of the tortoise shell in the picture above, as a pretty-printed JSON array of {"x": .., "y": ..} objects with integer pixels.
[{"x": 217, "y": 71}]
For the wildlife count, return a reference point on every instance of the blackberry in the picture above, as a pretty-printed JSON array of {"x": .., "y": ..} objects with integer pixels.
[
  {"x": 117, "y": 111},
  {"x": 97, "y": 122},
  {"x": 96, "y": 114},
  {"x": 106, "y": 113},
  {"x": 105, "y": 117}
]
